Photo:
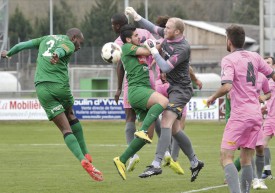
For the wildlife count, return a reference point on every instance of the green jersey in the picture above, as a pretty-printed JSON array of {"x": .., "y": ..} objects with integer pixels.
[
  {"x": 46, "y": 45},
  {"x": 136, "y": 68},
  {"x": 47, "y": 72}
]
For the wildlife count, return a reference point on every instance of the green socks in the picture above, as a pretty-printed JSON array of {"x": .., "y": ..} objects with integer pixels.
[
  {"x": 133, "y": 147},
  {"x": 137, "y": 143},
  {"x": 151, "y": 116},
  {"x": 237, "y": 164},
  {"x": 73, "y": 145},
  {"x": 78, "y": 133}
]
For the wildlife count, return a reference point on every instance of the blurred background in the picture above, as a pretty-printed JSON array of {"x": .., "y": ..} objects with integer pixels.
[{"x": 205, "y": 20}]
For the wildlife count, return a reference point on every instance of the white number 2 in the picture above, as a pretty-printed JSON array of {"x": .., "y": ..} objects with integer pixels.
[{"x": 47, "y": 52}]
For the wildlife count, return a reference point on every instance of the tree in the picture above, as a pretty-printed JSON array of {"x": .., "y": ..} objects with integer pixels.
[
  {"x": 19, "y": 28},
  {"x": 96, "y": 25},
  {"x": 246, "y": 12},
  {"x": 63, "y": 19}
]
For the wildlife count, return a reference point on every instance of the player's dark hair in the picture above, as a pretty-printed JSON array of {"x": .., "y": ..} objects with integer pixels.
[
  {"x": 126, "y": 31},
  {"x": 162, "y": 20},
  {"x": 120, "y": 19},
  {"x": 272, "y": 58},
  {"x": 236, "y": 35}
]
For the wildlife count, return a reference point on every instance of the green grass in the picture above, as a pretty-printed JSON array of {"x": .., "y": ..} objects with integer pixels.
[{"x": 34, "y": 159}]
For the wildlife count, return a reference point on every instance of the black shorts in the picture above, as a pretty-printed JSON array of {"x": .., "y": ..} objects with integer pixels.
[{"x": 178, "y": 97}]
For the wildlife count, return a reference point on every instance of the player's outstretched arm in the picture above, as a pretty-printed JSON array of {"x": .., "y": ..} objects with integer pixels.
[
  {"x": 19, "y": 47},
  {"x": 132, "y": 12},
  {"x": 142, "y": 22}
]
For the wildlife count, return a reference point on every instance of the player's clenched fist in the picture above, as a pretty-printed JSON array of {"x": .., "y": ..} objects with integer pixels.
[
  {"x": 4, "y": 54},
  {"x": 151, "y": 45},
  {"x": 54, "y": 58},
  {"x": 131, "y": 12}
]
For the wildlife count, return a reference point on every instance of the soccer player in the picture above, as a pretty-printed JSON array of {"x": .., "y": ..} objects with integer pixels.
[
  {"x": 53, "y": 89},
  {"x": 239, "y": 75},
  {"x": 118, "y": 20},
  {"x": 258, "y": 163},
  {"x": 147, "y": 103},
  {"x": 269, "y": 128},
  {"x": 174, "y": 61},
  {"x": 171, "y": 155}
]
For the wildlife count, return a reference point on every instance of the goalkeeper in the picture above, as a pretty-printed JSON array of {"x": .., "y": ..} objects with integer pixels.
[{"x": 174, "y": 61}]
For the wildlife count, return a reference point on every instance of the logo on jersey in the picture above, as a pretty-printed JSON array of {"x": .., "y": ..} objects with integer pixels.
[
  {"x": 133, "y": 47},
  {"x": 66, "y": 48},
  {"x": 145, "y": 68},
  {"x": 165, "y": 54}
]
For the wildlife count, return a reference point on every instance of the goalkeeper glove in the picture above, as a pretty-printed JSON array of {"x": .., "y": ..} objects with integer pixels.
[
  {"x": 131, "y": 12},
  {"x": 151, "y": 45}
]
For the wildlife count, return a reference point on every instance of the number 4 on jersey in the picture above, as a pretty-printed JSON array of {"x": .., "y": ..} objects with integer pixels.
[{"x": 250, "y": 77}]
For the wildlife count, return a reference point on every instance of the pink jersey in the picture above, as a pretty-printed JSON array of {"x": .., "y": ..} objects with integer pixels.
[
  {"x": 269, "y": 123},
  {"x": 262, "y": 84},
  {"x": 143, "y": 35},
  {"x": 271, "y": 102},
  {"x": 241, "y": 69}
]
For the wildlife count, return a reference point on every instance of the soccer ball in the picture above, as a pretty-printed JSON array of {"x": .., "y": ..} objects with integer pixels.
[{"x": 111, "y": 52}]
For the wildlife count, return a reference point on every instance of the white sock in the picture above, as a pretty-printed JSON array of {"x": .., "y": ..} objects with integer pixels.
[{"x": 156, "y": 164}]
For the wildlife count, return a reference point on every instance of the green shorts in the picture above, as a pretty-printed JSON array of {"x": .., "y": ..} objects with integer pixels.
[
  {"x": 138, "y": 98},
  {"x": 55, "y": 98}
]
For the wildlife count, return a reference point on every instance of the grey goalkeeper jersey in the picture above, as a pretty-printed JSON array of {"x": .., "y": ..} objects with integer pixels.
[{"x": 176, "y": 53}]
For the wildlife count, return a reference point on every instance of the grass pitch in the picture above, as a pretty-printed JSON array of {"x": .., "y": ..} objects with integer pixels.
[{"x": 34, "y": 159}]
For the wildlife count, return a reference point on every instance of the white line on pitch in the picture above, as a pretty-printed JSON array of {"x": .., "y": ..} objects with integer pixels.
[{"x": 205, "y": 189}]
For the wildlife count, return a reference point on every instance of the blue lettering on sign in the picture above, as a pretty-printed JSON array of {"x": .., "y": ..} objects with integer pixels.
[{"x": 99, "y": 109}]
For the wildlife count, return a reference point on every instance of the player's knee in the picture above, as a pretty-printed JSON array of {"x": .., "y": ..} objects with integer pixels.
[
  {"x": 260, "y": 150},
  {"x": 226, "y": 157},
  {"x": 164, "y": 102}
]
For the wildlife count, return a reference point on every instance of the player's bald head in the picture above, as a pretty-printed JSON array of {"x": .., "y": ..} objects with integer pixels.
[
  {"x": 178, "y": 24},
  {"x": 74, "y": 32}
]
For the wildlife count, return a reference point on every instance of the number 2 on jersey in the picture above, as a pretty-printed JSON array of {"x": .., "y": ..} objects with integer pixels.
[
  {"x": 250, "y": 76},
  {"x": 47, "y": 52}
]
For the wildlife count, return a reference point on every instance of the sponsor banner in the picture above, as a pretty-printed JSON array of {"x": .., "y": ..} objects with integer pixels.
[
  {"x": 198, "y": 110},
  {"x": 99, "y": 109},
  {"x": 21, "y": 109}
]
